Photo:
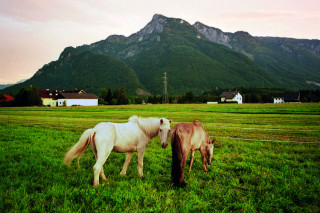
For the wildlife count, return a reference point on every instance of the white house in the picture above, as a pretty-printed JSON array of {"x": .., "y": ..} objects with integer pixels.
[
  {"x": 278, "y": 98},
  {"x": 77, "y": 99},
  {"x": 231, "y": 96},
  {"x": 293, "y": 97}
]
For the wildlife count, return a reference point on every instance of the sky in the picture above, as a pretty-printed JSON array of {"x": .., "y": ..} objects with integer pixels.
[{"x": 34, "y": 32}]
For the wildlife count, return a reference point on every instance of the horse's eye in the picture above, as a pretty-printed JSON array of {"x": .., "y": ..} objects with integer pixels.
[{"x": 160, "y": 130}]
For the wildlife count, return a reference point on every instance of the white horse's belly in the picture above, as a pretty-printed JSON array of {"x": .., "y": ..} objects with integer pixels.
[
  {"x": 126, "y": 137},
  {"x": 129, "y": 138}
]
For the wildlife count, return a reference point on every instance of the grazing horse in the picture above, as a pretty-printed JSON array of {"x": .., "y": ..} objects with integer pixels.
[
  {"x": 186, "y": 137},
  {"x": 107, "y": 137}
]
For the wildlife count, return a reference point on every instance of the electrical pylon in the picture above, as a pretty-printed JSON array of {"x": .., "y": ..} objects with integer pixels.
[{"x": 165, "y": 90}]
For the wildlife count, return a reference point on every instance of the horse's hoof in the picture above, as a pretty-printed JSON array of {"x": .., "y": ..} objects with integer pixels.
[
  {"x": 122, "y": 174},
  {"x": 181, "y": 185}
]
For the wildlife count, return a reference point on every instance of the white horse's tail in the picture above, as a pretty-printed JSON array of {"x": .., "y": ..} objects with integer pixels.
[{"x": 78, "y": 149}]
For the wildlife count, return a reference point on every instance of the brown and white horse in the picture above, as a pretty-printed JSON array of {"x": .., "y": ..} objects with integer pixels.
[
  {"x": 107, "y": 137},
  {"x": 186, "y": 137}
]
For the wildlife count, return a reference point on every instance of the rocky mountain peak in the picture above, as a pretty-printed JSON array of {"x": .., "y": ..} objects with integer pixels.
[
  {"x": 158, "y": 16},
  {"x": 156, "y": 25},
  {"x": 116, "y": 38},
  {"x": 213, "y": 34}
]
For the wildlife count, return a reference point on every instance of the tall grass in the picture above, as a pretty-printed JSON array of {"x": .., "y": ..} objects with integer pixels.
[{"x": 246, "y": 175}]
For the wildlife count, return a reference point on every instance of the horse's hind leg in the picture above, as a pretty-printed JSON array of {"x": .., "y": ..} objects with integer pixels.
[
  {"x": 94, "y": 150},
  {"x": 182, "y": 182},
  {"x": 98, "y": 167},
  {"x": 126, "y": 164}
]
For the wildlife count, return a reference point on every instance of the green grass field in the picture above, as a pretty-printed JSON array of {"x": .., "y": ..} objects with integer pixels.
[{"x": 266, "y": 159}]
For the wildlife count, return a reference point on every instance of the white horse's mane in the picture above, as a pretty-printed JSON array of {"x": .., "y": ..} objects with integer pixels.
[{"x": 149, "y": 125}]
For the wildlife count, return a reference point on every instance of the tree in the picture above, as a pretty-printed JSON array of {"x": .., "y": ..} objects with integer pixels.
[
  {"x": 28, "y": 97},
  {"x": 108, "y": 97},
  {"x": 121, "y": 96},
  {"x": 103, "y": 93}
]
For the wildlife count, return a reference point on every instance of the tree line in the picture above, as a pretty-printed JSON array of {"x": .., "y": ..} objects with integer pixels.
[
  {"x": 25, "y": 97},
  {"x": 30, "y": 96},
  {"x": 250, "y": 95}
]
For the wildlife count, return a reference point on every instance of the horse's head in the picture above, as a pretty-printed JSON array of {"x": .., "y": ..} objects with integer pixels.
[
  {"x": 164, "y": 131},
  {"x": 209, "y": 149}
]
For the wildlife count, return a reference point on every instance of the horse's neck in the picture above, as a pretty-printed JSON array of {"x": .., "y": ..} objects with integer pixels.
[{"x": 150, "y": 127}]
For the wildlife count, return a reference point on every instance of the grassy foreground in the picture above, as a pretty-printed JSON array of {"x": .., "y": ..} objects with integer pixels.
[{"x": 266, "y": 158}]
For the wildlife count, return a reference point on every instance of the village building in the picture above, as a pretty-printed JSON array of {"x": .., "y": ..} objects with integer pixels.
[
  {"x": 49, "y": 97},
  {"x": 6, "y": 98},
  {"x": 77, "y": 99},
  {"x": 231, "y": 96},
  {"x": 293, "y": 97}
]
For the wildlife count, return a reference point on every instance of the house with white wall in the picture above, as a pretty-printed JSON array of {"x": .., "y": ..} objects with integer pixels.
[
  {"x": 77, "y": 99},
  {"x": 293, "y": 97},
  {"x": 231, "y": 96}
]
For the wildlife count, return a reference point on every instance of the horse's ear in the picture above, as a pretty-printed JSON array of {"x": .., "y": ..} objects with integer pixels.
[
  {"x": 213, "y": 140},
  {"x": 161, "y": 121}
]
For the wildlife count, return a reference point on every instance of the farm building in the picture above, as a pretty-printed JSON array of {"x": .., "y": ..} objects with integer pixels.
[
  {"x": 6, "y": 98},
  {"x": 48, "y": 97},
  {"x": 231, "y": 96},
  {"x": 77, "y": 99},
  {"x": 293, "y": 97}
]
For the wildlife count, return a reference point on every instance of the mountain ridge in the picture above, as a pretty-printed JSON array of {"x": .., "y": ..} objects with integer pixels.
[{"x": 196, "y": 58}]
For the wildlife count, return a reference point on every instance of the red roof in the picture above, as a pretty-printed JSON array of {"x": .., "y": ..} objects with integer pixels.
[
  {"x": 48, "y": 93},
  {"x": 229, "y": 95},
  {"x": 77, "y": 96},
  {"x": 54, "y": 93},
  {"x": 6, "y": 98}
]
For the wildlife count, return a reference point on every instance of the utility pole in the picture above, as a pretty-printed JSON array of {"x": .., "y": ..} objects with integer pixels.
[{"x": 165, "y": 95}]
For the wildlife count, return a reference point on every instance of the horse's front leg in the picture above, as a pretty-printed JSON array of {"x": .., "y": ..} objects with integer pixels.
[
  {"x": 126, "y": 164},
  {"x": 204, "y": 162},
  {"x": 140, "y": 161},
  {"x": 191, "y": 160}
]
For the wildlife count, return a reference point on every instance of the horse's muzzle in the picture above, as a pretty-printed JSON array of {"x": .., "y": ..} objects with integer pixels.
[{"x": 164, "y": 145}]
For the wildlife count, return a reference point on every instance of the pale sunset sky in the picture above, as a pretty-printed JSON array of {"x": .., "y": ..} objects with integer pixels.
[{"x": 35, "y": 32}]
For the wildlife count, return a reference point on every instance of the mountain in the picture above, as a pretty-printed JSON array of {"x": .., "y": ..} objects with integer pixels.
[
  {"x": 192, "y": 62},
  {"x": 2, "y": 86},
  {"x": 195, "y": 57},
  {"x": 86, "y": 70},
  {"x": 295, "y": 62}
]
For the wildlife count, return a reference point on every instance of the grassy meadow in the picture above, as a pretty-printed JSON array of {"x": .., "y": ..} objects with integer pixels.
[{"x": 266, "y": 159}]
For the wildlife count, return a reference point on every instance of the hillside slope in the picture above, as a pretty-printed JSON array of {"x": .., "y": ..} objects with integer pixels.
[
  {"x": 294, "y": 62},
  {"x": 86, "y": 70}
]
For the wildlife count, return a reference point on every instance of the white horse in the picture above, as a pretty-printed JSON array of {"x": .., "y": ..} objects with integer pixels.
[{"x": 133, "y": 136}]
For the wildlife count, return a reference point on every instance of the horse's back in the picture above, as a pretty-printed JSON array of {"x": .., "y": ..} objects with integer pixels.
[
  {"x": 191, "y": 135},
  {"x": 181, "y": 134},
  {"x": 124, "y": 137}
]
